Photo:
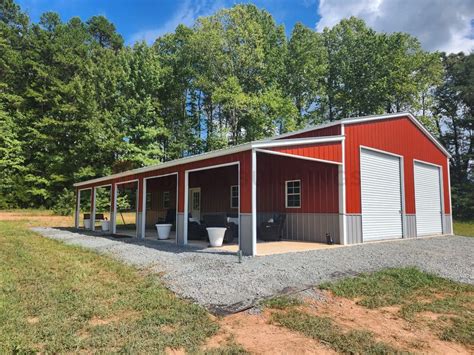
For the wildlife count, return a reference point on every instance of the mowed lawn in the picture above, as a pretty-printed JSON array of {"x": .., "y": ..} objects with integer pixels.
[
  {"x": 59, "y": 298},
  {"x": 464, "y": 228}
]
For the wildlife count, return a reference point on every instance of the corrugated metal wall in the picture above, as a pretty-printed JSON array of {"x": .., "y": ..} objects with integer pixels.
[
  {"x": 328, "y": 131},
  {"x": 324, "y": 151},
  {"x": 399, "y": 136},
  {"x": 319, "y": 211}
]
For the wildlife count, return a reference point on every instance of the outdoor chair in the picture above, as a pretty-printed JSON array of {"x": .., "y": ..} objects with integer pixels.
[
  {"x": 220, "y": 220},
  {"x": 195, "y": 230},
  {"x": 272, "y": 231},
  {"x": 170, "y": 218}
]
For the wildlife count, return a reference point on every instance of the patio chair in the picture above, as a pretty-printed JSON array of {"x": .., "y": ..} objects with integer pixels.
[
  {"x": 220, "y": 220},
  {"x": 272, "y": 231},
  {"x": 195, "y": 230},
  {"x": 170, "y": 218}
]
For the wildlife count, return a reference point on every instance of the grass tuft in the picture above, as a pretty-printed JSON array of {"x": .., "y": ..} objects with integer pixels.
[
  {"x": 464, "y": 228},
  {"x": 281, "y": 302},
  {"x": 415, "y": 292},
  {"x": 324, "y": 330}
]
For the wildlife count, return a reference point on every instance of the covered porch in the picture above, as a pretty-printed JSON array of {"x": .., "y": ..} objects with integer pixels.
[{"x": 278, "y": 196}]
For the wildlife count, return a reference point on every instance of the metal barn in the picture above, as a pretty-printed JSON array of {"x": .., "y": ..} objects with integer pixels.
[{"x": 352, "y": 181}]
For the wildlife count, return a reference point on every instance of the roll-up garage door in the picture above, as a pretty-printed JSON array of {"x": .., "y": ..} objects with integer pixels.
[
  {"x": 427, "y": 199},
  {"x": 381, "y": 196}
]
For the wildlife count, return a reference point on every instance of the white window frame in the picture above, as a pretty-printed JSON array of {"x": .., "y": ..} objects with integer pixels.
[
  {"x": 286, "y": 193},
  {"x": 163, "y": 199},
  {"x": 232, "y": 196}
]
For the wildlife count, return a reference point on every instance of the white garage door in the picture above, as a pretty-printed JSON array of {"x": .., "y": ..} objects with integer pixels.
[
  {"x": 427, "y": 199},
  {"x": 381, "y": 196}
]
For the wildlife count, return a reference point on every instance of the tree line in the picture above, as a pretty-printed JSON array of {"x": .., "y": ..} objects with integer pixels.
[{"x": 77, "y": 103}]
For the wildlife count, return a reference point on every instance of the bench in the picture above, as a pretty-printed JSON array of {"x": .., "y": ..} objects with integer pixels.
[{"x": 98, "y": 216}]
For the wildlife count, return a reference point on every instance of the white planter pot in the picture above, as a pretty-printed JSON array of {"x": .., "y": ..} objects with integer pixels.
[
  {"x": 216, "y": 236},
  {"x": 105, "y": 225},
  {"x": 163, "y": 230},
  {"x": 87, "y": 223}
]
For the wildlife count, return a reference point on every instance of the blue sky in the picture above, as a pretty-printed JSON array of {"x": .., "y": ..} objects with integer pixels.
[
  {"x": 438, "y": 24},
  {"x": 146, "y": 19}
]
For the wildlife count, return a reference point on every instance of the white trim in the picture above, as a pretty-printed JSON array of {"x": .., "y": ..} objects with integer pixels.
[
  {"x": 93, "y": 209},
  {"x": 114, "y": 209},
  {"x": 79, "y": 204},
  {"x": 144, "y": 201},
  {"x": 114, "y": 225},
  {"x": 214, "y": 154},
  {"x": 355, "y": 120},
  {"x": 302, "y": 157},
  {"x": 185, "y": 210},
  {"x": 238, "y": 196},
  {"x": 427, "y": 163},
  {"x": 380, "y": 151},
  {"x": 254, "y": 202},
  {"x": 262, "y": 143},
  {"x": 402, "y": 189},
  {"x": 342, "y": 193},
  {"x": 441, "y": 188},
  {"x": 286, "y": 193},
  {"x": 186, "y": 192},
  {"x": 298, "y": 141},
  {"x": 449, "y": 192}
]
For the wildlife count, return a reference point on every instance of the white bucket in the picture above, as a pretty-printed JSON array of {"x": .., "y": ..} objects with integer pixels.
[
  {"x": 216, "y": 236},
  {"x": 87, "y": 223},
  {"x": 163, "y": 230},
  {"x": 105, "y": 225}
]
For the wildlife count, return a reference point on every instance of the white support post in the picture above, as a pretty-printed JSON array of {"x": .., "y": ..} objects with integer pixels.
[
  {"x": 143, "y": 221},
  {"x": 186, "y": 201},
  {"x": 254, "y": 202},
  {"x": 93, "y": 193},
  {"x": 78, "y": 209},
  {"x": 114, "y": 210},
  {"x": 342, "y": 193}
]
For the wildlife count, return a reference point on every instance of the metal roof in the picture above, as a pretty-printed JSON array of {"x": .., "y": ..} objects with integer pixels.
[{"x": 271, "y": 141}]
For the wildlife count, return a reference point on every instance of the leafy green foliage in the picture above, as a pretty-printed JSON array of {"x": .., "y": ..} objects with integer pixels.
[{"x": 76, "y": 103}]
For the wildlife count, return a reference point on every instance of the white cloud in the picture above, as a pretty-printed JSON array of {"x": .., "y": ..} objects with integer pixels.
[
  {"x": 186, "y": 14},
  {"x": 438, "y": 24}
]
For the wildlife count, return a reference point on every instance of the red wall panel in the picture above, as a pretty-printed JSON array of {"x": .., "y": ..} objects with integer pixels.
[
  {"x": 319, "y": 184},
  {"x": 328, "y": 131},
  {"x": 215, "y": 188},
  {"x": 326, "y": 151},
  {"x": 400, "y": 136}
]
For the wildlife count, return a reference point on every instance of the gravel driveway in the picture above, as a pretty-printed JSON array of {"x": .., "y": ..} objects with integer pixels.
[{"x": 217, "y": 280}]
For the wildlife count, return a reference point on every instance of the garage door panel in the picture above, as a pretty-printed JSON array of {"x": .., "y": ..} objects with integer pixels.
[
  {"x": 428, "y": 199},
  {"x": 381, "y": 196}
]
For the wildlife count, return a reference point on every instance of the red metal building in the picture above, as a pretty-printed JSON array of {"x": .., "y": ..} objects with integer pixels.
[{"x": 356, "y": 180}]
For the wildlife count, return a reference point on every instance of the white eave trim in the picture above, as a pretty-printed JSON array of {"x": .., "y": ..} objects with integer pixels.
[{"x": 217, "y": 153}]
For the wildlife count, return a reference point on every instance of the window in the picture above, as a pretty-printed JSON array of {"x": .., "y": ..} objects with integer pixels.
[
  {"x": 166, "y": 199},
  {"x": 234, "y": 196},
  {"x": 293, "y": 194}
]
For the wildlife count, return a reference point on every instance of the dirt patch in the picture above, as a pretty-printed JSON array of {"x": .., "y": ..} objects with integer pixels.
[
  {"x": 386, "y": 325},
  {"x": 32, "y": 320},
  {"x": 127, "y": 315},
  {"x": 255, "y": 334}
]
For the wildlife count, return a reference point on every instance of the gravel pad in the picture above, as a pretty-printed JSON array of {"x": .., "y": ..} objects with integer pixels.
[{"x": 216, "y": 279}]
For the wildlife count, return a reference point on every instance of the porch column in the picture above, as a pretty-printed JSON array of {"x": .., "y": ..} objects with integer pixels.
[
  {"x": 342, "y": 204},
  {"x": 113, "y": 208},
  {"x": 183, "y": 191},
  {"x": 248, "y": 203},
  {"x": 92, "y": 209},
  {"x": 77, "y": 212},
  {"x": 140, "y": 200}
]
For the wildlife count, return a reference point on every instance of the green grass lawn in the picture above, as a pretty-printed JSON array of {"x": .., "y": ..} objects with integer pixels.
[
  {"x": 59, "y": 298},
  {"x": 465, "y": 228}
]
